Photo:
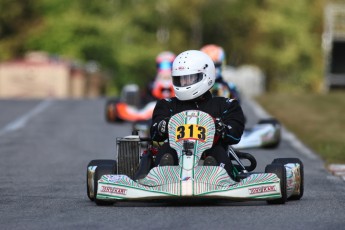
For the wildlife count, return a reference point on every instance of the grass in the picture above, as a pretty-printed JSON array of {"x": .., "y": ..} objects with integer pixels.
[{"x": 318, "y": 120}]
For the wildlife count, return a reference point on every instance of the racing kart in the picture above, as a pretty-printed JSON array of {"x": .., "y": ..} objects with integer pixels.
[
  {"x": 133, "y": 176},
  {"x": 265, "y": 134},
  {"x": 128, "y": 107}
]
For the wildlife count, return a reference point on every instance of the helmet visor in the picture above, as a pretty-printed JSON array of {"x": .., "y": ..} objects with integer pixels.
[{"x": 187, "y": 80}]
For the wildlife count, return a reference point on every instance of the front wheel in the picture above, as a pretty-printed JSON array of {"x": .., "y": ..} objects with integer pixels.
[
  {"x": 285, "y": 161},
  {"x": 111, "y": 113},
  {"x": 99, "y": 172},
  {"x": 90, "y": 174},
  {"x": 280, "y": 171}
]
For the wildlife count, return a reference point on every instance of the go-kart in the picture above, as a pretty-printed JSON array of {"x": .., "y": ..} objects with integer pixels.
[
  {"x": 133, "y": 176},
  {"x": 128, "y": 107},
  {"x": 117, "y": 111},
  {"x": 264, "y": 134}
]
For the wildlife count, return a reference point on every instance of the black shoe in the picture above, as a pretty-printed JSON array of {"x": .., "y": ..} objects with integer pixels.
[
  {"x": 167, "y": 159},
  {"x": 210, "y": 161}
]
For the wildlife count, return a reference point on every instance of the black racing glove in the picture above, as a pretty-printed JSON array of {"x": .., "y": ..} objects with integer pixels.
[
  {"x": 220, "y": 127},
  {"x": 163, "y": 127}
]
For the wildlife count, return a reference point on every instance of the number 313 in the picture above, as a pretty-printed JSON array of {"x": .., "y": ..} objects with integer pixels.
[{"x": 190, "y": 131}]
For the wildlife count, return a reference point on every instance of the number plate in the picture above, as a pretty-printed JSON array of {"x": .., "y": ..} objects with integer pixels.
[{"x": 190, "y": 131}]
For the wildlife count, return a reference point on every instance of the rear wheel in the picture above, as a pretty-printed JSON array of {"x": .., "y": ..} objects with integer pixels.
[
  {"x": 301, "y": 170},
  {"x": 280, "y": 171},
  {"x": 90, "y": 174},
  {"x": 99, "y": 172},
  {"x": 111, "y": 115},
  {"x": 272, "y": 121}
]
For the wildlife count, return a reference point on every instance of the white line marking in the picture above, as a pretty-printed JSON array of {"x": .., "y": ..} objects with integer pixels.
[
  {"x": 21, "y": 121},
  {"x": 297, "y": 144}
]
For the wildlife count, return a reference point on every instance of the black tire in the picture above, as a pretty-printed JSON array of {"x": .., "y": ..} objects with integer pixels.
[
  {"x": 298, "y": 161},
  {"x": 272, "y": 146},
  {"x": 99, "y": 172},
  {"x": 111, "y": 112},
  {"x": 280, "y": 171},
  {"x": 146, "y": 164},
  {"x": 97, "y": 163},
  {"x": 274, "y": 122},
  {"x": 247, "y": 156}
]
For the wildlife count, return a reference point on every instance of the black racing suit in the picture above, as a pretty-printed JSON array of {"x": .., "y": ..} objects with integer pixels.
[
  {"x": 228, "y": 110},
  {"x": 229, "y": 88}
]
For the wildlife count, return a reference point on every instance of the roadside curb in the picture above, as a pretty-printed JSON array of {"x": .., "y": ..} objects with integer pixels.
[{"x": 335, "y": 169}]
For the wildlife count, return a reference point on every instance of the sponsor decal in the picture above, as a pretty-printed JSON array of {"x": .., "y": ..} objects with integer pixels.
[
  {"x": 191, "y": 115},
  {"x": 114, "y": 178},
  {"x": 114, "y": 190},
  {"x": 181, "y": 67},
  {"x": 186, "y": 178},
  {"x": 230, "y": 100},
  {"x": 162, "y": 125},
  {"x": 262, "y": 189}
]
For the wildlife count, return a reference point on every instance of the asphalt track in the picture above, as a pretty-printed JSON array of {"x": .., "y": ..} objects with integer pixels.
[{"x": 45, "y": 147}]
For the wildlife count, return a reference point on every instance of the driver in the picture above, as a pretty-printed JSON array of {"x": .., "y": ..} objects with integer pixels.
[
  {"x": 221, "y": 87},
  {"x": 161, "y": 87},
  {"x": 193, "y": 76}
]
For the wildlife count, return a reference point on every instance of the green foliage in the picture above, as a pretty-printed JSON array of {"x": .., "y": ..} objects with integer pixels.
[
  {"x": 291, "y": 45},
  {"x": 124, "y": 36},
  {"x": 320, "y": 121},
  {"x": 17, "y": 20}
]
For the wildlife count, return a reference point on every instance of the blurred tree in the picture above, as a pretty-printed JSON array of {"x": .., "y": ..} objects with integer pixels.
[
  {"x": 289, "y": 44},
  {"x": 124, "y": 36},
  {"x": 18, "y": 20}
]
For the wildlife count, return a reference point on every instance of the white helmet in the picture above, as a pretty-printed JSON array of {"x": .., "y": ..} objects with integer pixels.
[{"x": 193, "y": 74}]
